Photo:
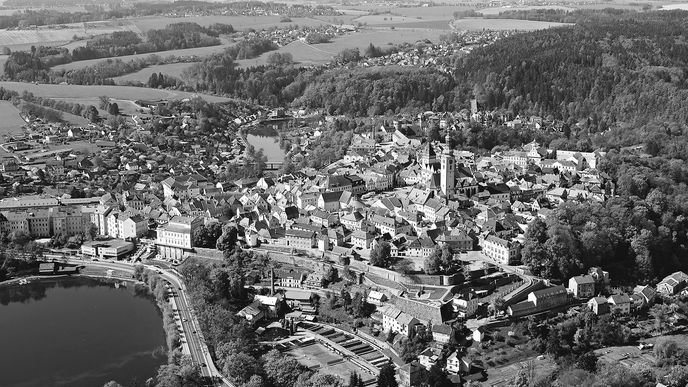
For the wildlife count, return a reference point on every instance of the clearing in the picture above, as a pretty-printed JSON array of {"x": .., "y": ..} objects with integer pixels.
[
  {"x": 88, "y": 95},
  {"x": 503, "y": 24},
  {"x": 317, "y": 54},
  {"x": 172, "y": 69},
  {"x": 238, "y": 22},
  {"x": 198, "y": 51},
  {"x": 11, "y": 121}
]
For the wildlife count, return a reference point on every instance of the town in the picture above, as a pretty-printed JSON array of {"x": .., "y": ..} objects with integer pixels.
[{"x": 414, "y": 248}]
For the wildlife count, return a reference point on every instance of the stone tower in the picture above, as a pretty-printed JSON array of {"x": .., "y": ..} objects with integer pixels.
[{"x": 447, "y": 170}]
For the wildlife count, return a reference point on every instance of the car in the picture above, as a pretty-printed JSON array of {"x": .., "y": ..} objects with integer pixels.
[{"x": 203, "y": 365}]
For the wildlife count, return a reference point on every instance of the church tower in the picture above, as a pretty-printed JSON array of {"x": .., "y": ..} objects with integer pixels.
[{"x": 447, "y": 171}]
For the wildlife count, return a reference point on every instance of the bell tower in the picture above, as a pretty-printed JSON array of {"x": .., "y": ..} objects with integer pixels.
[{"x": 447, "y": 170}]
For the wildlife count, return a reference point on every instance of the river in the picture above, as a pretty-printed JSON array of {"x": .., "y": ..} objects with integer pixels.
[
  {"x": 266, "y": 138},
  {"x": 78, "y": 332}
]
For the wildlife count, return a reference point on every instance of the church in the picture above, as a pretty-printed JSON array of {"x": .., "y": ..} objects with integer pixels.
[{"x": 445, "y": 176}]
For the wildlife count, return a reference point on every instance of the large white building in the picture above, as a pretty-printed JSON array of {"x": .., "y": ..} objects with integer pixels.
[
  {"x": 176, "y": 237},
  {"x": 44, "y": 223},
  {"x": 502, "y": 250}
]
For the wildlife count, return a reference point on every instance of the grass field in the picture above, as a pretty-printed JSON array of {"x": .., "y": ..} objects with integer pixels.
[
  {"x": 173, "y": 69},
  {"x": 198, "y": 51},
  {"x": 316, "y": 54},
  {"x": 497, "y": 10},
  {"x": 503, "y": 24},
  {"x": 89, "y": 94},
  {"x": 238, "y": 22},
  {"x": 11, "y": 121},
  {"x": 23, "y": 39}
]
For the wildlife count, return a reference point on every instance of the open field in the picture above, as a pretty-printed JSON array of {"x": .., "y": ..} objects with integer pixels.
[
  {"x": 172, "y": 69},
  {"x": 198, "y": 51},
  {"x": 238, "y": 22},
  {"x": 22, "y": 39},
  {"x": 89, "y": 94},
  {"x": 503, "y": 24},
  {"x": 317, "y": 54},
  {"x": 11, "y": 121},
  {"x": 497, "y": 10}
]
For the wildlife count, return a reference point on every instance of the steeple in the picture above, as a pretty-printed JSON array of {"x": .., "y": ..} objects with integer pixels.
[{"x": 447, "y": 170}]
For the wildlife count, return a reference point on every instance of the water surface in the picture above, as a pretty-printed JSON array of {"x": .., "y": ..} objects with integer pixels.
[{"x": 78, "y": 332}]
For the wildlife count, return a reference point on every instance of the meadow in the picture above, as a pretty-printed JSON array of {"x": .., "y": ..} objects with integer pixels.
[
  {"x": 472, "y": 24},
  {"x": 238, "y": 22},
  {"x": 198, "y": 51},
  {"x": 316, "y": 54},
  {"x": 88, "y": 95},
  {"x": 11, "y": 121},
  {"x": 172, "y": 69}
]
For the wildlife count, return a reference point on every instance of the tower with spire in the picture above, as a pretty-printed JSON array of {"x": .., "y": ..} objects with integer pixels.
[{"x": 447, "y": 170}]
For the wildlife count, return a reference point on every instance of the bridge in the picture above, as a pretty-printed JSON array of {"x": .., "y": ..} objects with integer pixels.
[{"x": 271, "y": 166}]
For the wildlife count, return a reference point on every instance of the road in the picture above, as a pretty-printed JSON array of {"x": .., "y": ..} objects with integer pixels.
[{"x": 191, "y": 329}]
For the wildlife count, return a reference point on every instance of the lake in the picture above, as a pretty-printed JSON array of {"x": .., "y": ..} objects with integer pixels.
[
  {"x": 266, "y": 138},
  {"x": 78, "y": 332}
]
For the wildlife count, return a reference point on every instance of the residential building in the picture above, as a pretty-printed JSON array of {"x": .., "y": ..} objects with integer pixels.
[
  {"x": 582, "y": 286},
  {"x": 619, "y": 302},
  {"x": 502, "y": 250},
  {"x": 672, "y": 283},
  {"x": 300, "y": 239}
]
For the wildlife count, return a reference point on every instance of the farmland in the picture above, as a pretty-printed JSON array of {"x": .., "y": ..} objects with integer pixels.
[
  {"x": 471, "y": 24},
  {"x": 11, "y": 121},
  {"x": 198, "y": 51},
  {"x": 24, "y": 39},
  {"x": 172, "y": 69},
  {"x": 88, "y": 95},
  {"x": 238, "y": 22},
  {"x": 317, "y": 54}
]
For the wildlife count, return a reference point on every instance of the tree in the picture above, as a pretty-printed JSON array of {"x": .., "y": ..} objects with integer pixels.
[
  {"x": 380, "y": 255},
  {"x": 587, "y": 362},
  {"x": 104, "y": 101},
  {"x": 91, "y": 114},
  {"x": 228, "y": 239},
  {"x": 387, "y": 377},
  {"x": 281, "y": 370},
  {"x": 240, "y": 367},
  {"x": 113, "y": 109},
  {"x": 112, "y": 383}
]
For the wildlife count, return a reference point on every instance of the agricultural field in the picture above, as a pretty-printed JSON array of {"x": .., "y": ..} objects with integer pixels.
[
  {"x": 11, "y": 121},
  {"x": 497, "y": 10},
  {"x": 88, "y": 95},
  {"x": 238, "y": 22},
  {"x": 24, "y": 39},
  {"x": 471, "y": 24},
  {"x": 198, "y": 51},
  {"x": 316, "y": 54},
  {"x": 172, "y": 69}
]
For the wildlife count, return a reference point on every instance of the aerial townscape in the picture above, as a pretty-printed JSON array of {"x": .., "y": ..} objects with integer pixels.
[{"x": 252, "y": 194}]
